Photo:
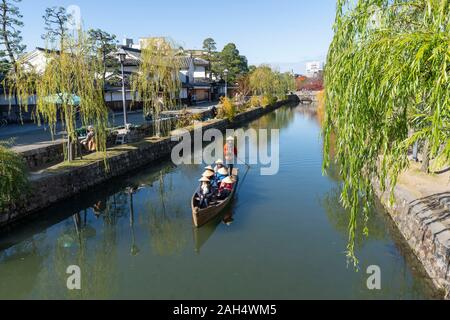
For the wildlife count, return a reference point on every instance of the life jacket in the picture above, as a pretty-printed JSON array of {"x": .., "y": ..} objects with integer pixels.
[{"x": 229, "y": 154}]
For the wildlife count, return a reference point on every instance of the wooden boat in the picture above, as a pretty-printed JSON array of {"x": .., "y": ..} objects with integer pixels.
[{"x": 203, "y": 216}]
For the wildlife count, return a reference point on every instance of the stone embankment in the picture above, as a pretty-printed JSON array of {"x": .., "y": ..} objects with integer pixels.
[{"x": 421, "y": 212}]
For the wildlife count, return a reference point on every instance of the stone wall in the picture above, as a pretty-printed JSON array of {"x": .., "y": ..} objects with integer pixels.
[
  {"x": 423, "y": 222},
  {"x": 42, "y": 155},
  {"x": 56, "y": 184}
]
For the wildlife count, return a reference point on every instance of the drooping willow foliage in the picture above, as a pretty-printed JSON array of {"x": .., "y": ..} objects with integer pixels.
[
  {"x": 387, "y": 87},
  {"x": 19, "y": 86},
  {"x": 265, "y": 81},
  {"x": 13, "y": 176},
  {"x": 70, "y": 88},
  {"x": 157, "y": 83}
]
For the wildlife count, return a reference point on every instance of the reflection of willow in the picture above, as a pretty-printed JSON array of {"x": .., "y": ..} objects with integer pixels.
[
  {"x": 340, "y": 219},
  {"x": 279, "y": 119},
  {"x": 147, "y": 179},
  {"x": 20, "y": 267},
  {"x": 168, "y": 235},
  {"x": 96, "y": 256}
]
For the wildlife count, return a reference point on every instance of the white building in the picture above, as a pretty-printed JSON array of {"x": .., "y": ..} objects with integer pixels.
[
  {"x": 314, "y": 68},
  {"x": 194, "y": 77}
]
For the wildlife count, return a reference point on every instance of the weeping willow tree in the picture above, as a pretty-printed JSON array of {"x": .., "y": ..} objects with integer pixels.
[
  {"x": 157, "y": 83},
  {"x": 265, "y": 81},
  {"x": 71, "y": 88},
  {"x": 387, "y": 87},
  {"x": 13, "y": 176}
]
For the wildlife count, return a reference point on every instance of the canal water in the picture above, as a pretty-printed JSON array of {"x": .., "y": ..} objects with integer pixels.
[{"x": 284, "y": 237}]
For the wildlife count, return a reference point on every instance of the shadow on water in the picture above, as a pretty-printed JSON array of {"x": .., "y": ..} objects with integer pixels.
[{"x": 203, "y": 234}]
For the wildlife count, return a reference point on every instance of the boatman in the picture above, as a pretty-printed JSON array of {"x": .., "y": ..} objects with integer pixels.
[{"x": 230, "y": 152}]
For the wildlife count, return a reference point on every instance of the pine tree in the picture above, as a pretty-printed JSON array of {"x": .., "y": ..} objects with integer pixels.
[
  {"x": 56, "y": 20},
  {"x": 104, "y": 45},
  {"x": 10, "y": 35}
]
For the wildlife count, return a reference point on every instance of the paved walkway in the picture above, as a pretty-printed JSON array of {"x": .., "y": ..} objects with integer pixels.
[{"x": 30, "y": 136}]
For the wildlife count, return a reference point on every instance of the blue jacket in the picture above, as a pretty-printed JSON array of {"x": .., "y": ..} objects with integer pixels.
[{"x": 219, "y": 177}]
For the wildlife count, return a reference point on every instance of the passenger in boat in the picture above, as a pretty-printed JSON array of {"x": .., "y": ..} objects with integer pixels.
[
  {"x": 226, "y": 187},
  {"x": 230, "y": 152},
  {"x": 213, "y": 178},
  {"x": 221, "y": 174},
  {"x": 209, "y": 168},
  {"x": 219, "y": 165},
  {"x": 205, "y": 192}
]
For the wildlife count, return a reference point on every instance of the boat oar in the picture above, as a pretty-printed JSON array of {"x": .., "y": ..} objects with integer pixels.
[
  {"x": 248, "y": 166},
  {"x": 241, "y": 183}
]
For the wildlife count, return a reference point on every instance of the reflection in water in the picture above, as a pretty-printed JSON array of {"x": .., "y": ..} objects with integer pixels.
[
  {"x": 15, "y": 266},
  {"x": 340, "y": 219},
  {"x": 166, "y": 223},
  {"x": 134, "y": 248},
  {"x": 203, "y": 234}
]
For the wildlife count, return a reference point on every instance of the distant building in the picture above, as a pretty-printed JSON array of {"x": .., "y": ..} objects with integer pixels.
[{"x": 314, "y": 69}]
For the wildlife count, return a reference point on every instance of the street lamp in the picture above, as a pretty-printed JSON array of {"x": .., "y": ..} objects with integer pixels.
[
  {"x": 225, "y": 73},
  {"x": 122, "y": 57}
]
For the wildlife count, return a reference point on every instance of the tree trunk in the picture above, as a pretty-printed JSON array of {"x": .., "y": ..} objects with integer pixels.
[{"x": 426, "y": 157}]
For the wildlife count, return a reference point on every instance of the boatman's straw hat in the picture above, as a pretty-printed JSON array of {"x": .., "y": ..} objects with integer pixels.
[
  {"x": 230, "y": 138},
  {"x": 209, "y": 168},
  {"x": 204, "y": 179},
  {"x": 208, "y": 174},
  {"x": 223, "y": 171},
  {"x": 220, "y": 161},
  {"x": 228, "y": 180}
]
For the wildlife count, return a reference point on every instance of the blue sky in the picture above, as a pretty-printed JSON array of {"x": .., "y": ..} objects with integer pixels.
[{"x": 285, "y": 33}]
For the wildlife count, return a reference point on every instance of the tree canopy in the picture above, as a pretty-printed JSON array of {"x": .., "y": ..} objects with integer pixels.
[
  {"x": 265, "y": 81},
  {"x": 157, "y": 82},
  {"x": 73, "y": 74},
  {"x": 387, "y": 87},
  {"x": 210, "y": 49},
  {"x": 104, "y": 45},
  {"x": 209, "y": 46},
  {"x": 10, "y": 35},
  {"x": 56, "y": 20},
  {"x": 230, "y": 59}
]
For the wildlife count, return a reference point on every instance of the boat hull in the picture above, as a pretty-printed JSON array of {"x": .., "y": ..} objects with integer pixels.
[{"x": 203, "y": 216}]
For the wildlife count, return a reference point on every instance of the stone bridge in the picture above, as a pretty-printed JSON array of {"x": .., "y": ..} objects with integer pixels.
[{"x": 307, "y": 97}]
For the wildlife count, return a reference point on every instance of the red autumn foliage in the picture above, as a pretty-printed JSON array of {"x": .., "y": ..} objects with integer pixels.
[{"x": 309, "y": 84}]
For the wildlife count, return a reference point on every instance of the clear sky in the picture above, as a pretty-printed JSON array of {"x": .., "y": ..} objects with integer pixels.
[{"x": 285, "y": 33}]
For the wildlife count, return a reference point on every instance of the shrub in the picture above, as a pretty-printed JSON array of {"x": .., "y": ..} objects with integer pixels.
[
  {"x": 186, "y": 119},
  {"x": 267, "y": 100},
  {"x": 13, "y": 176},
  {"x": 255, "y": 102},
  {"x": 227, "y": 110}
]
